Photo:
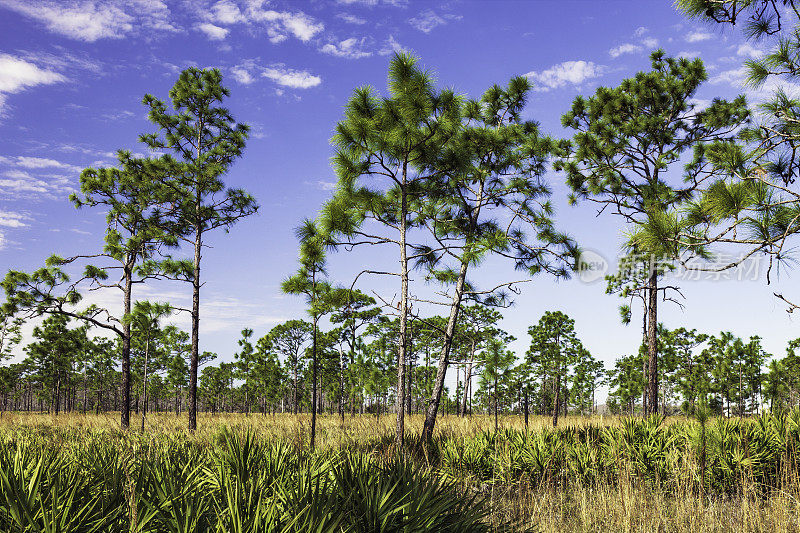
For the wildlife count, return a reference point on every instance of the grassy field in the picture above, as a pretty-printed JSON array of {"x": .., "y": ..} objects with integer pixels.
[{"x": 255, "y": 473}]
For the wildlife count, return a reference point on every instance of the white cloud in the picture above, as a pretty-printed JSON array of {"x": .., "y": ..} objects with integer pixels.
[
  {"x": 241, "y": 74},
  {"x": 248, "y": 71},
  {"x": 296, "y": 79},
  {"x": 697, "y": 36},
  {"x": 118, "y": 115},
  {"x": 17, "y": 175},
  {"x": 42, "y": 162},
  {"x": 281, "y": 24},
  {"x": 322, "y": 185},
  {"x": 226, "y": 12},
  {"x": 18, "y": 188},
  {"x": 627, "y": 48},
  {"x": 373, "y": 3},
  {"x": 91, "y": 20},
  {"x": 650, "y": 42},
  {"x": 17, "y": 75},
  {"x": 733, "y": 76},
  {"x": 736, "y": 78},
  {"x": 9, "y": 219},
  {"x": 31, "y": 177},
  {"x": 572, "y": 72},
  {"x": 428, "y": 20},
  {"x": 390, "y": 46},
  {"x": 350, "y": 48},
  {"x": 215, "y": 33},
  {"x": 749, "y": 51},
  {"x": 351, "y": 19},
  {"x": 641, "y": 30},
  {"x": 64, "y": 61}
]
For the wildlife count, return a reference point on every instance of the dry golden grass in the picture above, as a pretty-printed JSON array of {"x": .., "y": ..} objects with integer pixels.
[{"x": 623, "y": 507}]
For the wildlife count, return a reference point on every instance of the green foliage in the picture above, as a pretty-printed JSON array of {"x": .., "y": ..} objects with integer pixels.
[
  {"x": 554, "y": 350},
  {"x": 237, "y": 483},
  {"x": 202, "y": 141},
  {"x": 757, "y": 453},
  {"x": 754, "y": 202}
]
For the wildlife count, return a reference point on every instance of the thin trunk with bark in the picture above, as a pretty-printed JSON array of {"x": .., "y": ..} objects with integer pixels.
[
  {"x": 314, "y": 383},
  {"x": 444, "y": 357},
  {"x": 652, "y": 340},
  {"x": 144, "y": 380},
  {"x": 195, "y": 356},
  {"x": 401, "y": 341},
  {"x": 125, "y": 414}
]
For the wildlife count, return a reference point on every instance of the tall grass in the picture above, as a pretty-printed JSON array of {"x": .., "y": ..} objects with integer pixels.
[{"x": 252, "y": 473}]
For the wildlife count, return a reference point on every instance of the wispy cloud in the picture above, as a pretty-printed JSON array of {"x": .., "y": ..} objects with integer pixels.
[
  {"x": 697, "y": 36},
  {"x": 373, "y": 3},
  {"x": 650, "y": 42},
  {"x": 296, "y": 79},
  {"x": 390, "y": 46},
  {"x": 627, "y": 48},
  {"x": 10, "y": 219},
  {"x": 36, "y": 177},
  {"x": 279, "y": 25},
  {"x": 91, "y": 20},
  {"x": 226, "y": 12},
  {"x": 350, "y": 48},
  {"x": 351, "y": 19},
  {"x": 568, "y": 72},
  {"x": 215, "y": 33},
  {"x": 241, "y": 73},
  {"x": 16, "y": 75},
  {"x": 749, "y": 51},
  {"x": 429, "y": 20},
  {"x": 248, "y": 71}
]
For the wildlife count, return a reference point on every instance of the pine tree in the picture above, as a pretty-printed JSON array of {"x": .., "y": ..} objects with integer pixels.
[
  {"x": 756, "y": 202},
  {"x": 383, "y": 150},
  {"x": 145, "y": 319},
  {"x": 289, "y": 339},
  {"x": 494, "y": 173},
  {"x": 246, "y": 359},
  {"x": 204, "y": 141},
  {"x": 137, "y": 235},
  {"x": 554, "y": 349},
  {"x": 627, "y": 139},
  {"x": 497, "y": 374},
  {"x": 321, "y": 298}
]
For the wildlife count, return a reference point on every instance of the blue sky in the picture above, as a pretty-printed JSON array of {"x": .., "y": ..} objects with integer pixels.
[{"x": 73, "y": 73}]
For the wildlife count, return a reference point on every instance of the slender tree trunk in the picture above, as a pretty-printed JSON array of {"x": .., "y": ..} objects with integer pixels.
[
  {"x": 85, "y": 391},
  {"x": 557, "y": 399},
  {"x": 645, "y": 377},
  {"x": 652, "y": 338},
  {"x": 314, "y": 382},
  {"x": 526, "y": 409},
  {"x": 144, "y": 380},
  {"x": 57, "y": 402},
  {"x": 341, "y": 386},
  {"x": 496, "y": 425},
  {"x": 401, "y": 341},
  {"x": 195, "y": 355},
  {"x": 409, "y": 377},
  {"x": 126, "y": 349},
  {"x": 468, "y": 379},
  {"x": 444, "y": 356}
]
